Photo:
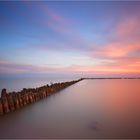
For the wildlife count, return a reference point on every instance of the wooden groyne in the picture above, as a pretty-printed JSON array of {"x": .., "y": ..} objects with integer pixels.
[{"x": 15, "y": 100}]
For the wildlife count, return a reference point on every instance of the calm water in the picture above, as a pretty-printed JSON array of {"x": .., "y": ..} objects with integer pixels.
[{"x": 88, "y": 109}]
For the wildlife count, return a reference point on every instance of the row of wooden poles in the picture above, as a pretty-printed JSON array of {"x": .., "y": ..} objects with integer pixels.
[{"x": 12, "y": 101}]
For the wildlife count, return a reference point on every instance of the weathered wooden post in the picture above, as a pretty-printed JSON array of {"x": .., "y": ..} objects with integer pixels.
[
  {"x": 27, "y": 98},
  {"x": 16, "y": 101},
  {"x": 30, "y": 98},
  {"x": 1, "y": 107},
  {"x": 24, "y": 100},
  {"x": 3, "y": 92},
  {"x": 11, "y": 102},
  {"x": 20, "y": 100},
  {"x": 33, "y": 97},
  {"x": 4, "y": 101}
]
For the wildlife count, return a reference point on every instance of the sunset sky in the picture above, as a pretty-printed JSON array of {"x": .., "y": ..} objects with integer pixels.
[{"x": 73, "y": 38}]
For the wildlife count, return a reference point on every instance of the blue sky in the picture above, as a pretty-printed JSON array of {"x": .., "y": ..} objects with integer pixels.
[{"x": 87, "y": 38}]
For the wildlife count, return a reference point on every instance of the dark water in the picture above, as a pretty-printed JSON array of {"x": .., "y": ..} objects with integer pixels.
[{"x": 88, "y": 109}]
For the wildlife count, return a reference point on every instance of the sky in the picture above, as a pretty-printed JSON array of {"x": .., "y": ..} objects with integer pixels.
[{"x": 85, "y": 38}]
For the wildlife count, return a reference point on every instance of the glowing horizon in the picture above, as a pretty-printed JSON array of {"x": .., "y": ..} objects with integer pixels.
[{"x": 85, "y": 38}]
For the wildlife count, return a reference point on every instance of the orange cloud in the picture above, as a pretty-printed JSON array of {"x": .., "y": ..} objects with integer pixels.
[{"x": 115, "y": 50}]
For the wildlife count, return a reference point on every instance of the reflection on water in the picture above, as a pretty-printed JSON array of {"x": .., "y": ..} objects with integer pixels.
[{"x": 88, "y": 109}]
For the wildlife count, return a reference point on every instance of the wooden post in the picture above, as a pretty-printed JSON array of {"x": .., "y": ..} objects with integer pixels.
[
  {"x": 4, "y": 101},
  {"x": 1, "y": 108}
]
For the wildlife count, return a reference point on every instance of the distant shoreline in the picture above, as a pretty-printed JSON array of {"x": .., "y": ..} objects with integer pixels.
[{"x": 114, "y": 78}]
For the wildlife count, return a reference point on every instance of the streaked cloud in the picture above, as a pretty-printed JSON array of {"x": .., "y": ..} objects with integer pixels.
[{"x": 9, "y": 67}]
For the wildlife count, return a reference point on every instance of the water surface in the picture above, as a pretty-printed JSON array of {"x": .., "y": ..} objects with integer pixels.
[{"x": 87, "y": 109}]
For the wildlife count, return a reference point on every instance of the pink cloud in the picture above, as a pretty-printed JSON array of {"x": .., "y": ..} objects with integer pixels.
[
  {"x": 55, "y": 16},
  {"x": 128, "y": 27},
  {"x": 55, "y": 20}
]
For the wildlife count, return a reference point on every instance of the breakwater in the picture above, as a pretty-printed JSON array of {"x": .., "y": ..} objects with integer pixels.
[{"x": 15, "y": 100}]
